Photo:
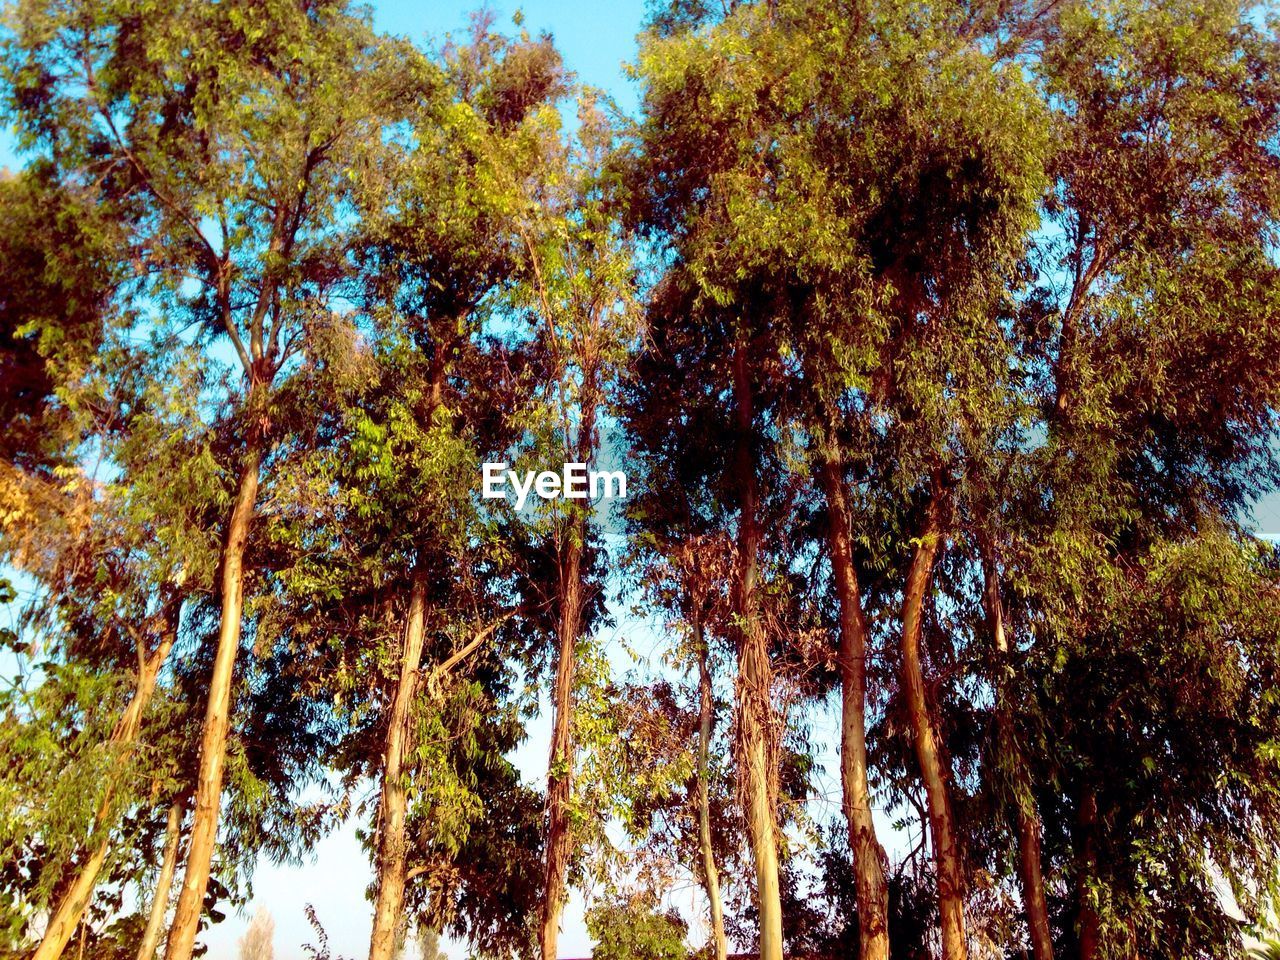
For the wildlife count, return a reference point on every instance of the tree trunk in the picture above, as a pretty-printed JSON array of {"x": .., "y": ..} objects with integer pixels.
[
  {"x": 560, "y": 769},
  {"x": 1030, "y": 871},
  {"x": 756, "y": 753},
  {"x": 946, "y": 853},
  {"x": 1032, "y": 876},
  {"x": 710, "y": 873},
  {"x": 868, "y": 855},
  {"x": 560, "y": 763},
  {"x": 71, "y": 907},
  {"x": 164, "y": 884},
  {"x": 213, "y": 743},
  {"x": 392, "y": 845},
  {"x": 1088, "y": 924}
]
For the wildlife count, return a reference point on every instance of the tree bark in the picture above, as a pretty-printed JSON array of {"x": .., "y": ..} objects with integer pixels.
[
  {"x": 1088, "y": 924},
  {"x": 1027, "y": 818},
  {"x": 392, "y": 845},
  {"x": 560, "y": 763},
  {"x": 946, "y": 853},
  {"x": 710, "y": 873},
  {"x": 868, "y": 855},
  {"x": 70, "y": 910},
  {"x": 756, "y": 753},
  {"x": 213, "y": 743},
  {"x": 560, "y": 768},
  {"x": 164, "y": 884}
]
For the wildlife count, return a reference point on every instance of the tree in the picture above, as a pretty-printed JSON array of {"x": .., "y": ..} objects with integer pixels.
[
  {"x": 632, "y": 929},
  {"x": 676, "y": 790},
  {"x": 829, "y": 263},
  {"x": 429, "y": 946},
  {"x": 577, "y": 287},
  {"x": 445, "y": 274},
  {"x": 163, "y": 885},
  {"x": 230, "y": 130},
  {"x": 116, "y": 562},
  {"x": 1147, "y": 220},
  {"x": 940, "y": 343}
]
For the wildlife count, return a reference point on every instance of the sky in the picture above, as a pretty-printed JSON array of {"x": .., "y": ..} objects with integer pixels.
[{"x": 596, "y": 39}]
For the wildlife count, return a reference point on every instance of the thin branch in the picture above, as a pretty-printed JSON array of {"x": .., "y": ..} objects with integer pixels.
[{"x": 440, "y": 671}]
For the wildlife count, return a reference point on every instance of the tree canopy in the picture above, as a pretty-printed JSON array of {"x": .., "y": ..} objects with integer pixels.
[{"x": 936, "y": 342}]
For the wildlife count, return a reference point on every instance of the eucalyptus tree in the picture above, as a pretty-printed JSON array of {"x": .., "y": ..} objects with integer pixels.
[
  {"x": 442, "y": 275},
  {"x": 577, "y": 287},
  {"x": 446, "y": 277},
  {"x": 676, "y": 786},
  {"x": 684, "y": 567},
  {"x": 235, "y": 130},
  {"x": 113, "y": 561},
  {"x": 122, "y": 561},
  {"x": 117, "y": 648},
  {"x": 1144, "y": 346},
  {"x": 707, "y": 359},
  {"x": 399, "y": 588},
  {"x": 841, "y": 202}
]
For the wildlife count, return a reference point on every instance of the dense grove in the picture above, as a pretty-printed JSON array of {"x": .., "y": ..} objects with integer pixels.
[{"x": 938, "y": 342}]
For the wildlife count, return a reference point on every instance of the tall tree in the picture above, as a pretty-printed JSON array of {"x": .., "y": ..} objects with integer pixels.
[
  {"x": 1158, "y": 413},
  {"x": 578, "y": 285},
  {"x": 843, "y": 195},
  {"x": 683, "y": 565},
  {"x": 258, "y": 940},
  {"x": 232, "y": 128}
]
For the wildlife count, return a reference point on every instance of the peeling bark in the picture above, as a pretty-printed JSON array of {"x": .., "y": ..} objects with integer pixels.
[
  {"x": 756, "y": 756},
  {"x": 392, "y": 844},
  {"x": 946, "y": 853},
  {"x": 710, "y": 873},
  {"x": 213, "y": 743},
  {"x": 868, "y": 855},
  {"x": 164, "y": 884},
  {"x": 569, "y": 627}
]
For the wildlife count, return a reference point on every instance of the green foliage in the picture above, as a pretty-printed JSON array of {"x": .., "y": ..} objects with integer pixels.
[
  {"x": 1015, "y": 261},
  {"x": 636, "y": 930}
]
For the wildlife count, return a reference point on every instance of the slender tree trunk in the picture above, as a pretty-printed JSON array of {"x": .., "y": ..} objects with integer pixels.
[
  {"x": 164, "y": 884},
  {"x": 392, "y": 846},
  {"x": 710, "y": 873},
  {"x": 560, "y": 764},
  {"x": 70, "y": 910},
  {"x": 387, "y": 932},
  {"x": 213, "y": 743},
  {"x": 1032, "y": 876},
  {"x": 1088, "y": 923},
  {"x": 868, "y": 855},
  {"x": 1030, "y": 871},
  {"x": 756, "y": 753},
  {"x": 560, "y": 770},
  {"x": 946, "y": 853}
]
